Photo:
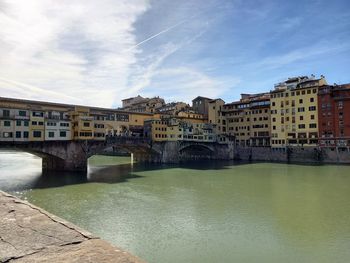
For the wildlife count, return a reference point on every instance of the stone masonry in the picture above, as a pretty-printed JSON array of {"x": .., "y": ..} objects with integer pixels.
[{"x": 30, "y": 234}]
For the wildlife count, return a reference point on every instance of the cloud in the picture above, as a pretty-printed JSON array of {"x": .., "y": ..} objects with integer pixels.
[
  {"x": 143, "y": 73},
  {"x": 297, "y": 55},
  {"x": 68, "y": 50},
  {"x": 185, "y": 83}
]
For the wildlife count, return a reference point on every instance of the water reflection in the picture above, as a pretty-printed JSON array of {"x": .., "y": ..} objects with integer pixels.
[
  {"x": 202, "y": 212},
  {"x": 21, "y": 171}
]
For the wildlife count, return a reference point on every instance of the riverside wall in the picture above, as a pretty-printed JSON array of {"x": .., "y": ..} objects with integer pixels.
[
  {"x": 313, "y": 155},
  {"x": 182, "y": 151}
]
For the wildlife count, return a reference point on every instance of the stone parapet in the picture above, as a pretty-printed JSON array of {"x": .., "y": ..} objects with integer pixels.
[{"x": 30, "y": 234}]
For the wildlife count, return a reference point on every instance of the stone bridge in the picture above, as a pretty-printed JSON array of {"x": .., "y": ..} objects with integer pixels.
[
  {"x": 182, "y": 151},
  {"x": 73, "y": 155}
]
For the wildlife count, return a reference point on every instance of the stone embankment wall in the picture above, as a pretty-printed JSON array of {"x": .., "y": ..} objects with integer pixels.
[{"x": 294, "y": 155}]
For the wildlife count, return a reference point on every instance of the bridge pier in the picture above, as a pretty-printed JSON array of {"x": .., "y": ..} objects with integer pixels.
[
  {"x": 52, "y": 163},
  {"x": 65, "y": 156}
]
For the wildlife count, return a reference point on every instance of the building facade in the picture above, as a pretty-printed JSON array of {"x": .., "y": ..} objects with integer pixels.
[
  {"x": 294, "y": 112},
  {"x": 248, "y": 120},
  {"x": 200, "y": 105},
  {"x": 334, "y": 115}
]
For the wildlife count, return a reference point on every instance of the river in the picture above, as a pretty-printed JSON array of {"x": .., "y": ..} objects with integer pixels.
[{"x": 203, "y": 212}]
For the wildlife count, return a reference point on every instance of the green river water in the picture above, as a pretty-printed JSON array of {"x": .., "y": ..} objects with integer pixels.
[{"x": 202, "y": 212}]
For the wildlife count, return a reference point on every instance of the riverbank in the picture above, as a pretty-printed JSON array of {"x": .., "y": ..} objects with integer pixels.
[{"x": 30, "y": 234}]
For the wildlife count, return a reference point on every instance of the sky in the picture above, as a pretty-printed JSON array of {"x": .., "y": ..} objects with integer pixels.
[{"x": 98, "y": 52}]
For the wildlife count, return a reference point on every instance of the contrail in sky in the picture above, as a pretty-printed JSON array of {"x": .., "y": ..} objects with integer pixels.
[
  {"x": 161, "y": 32},
  {"x": 35, "y": 90}
]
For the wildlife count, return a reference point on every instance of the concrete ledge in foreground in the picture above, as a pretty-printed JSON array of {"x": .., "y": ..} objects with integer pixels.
[{"x": 30, "y": 234}]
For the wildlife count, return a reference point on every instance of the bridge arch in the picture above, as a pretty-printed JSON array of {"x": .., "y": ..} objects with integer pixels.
[
  {"x": 198, "y": 146},
  {"x": 196, "y": 151}
]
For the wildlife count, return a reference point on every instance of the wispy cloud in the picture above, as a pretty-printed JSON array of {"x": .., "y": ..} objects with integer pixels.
[
  {"x": 297, "y": 55},
  {"x": 73, "y": 48},
  {"x": 9, "y": 87},
  {"x": 143, "y": 74},
  {"x": 184, "y": 83}
]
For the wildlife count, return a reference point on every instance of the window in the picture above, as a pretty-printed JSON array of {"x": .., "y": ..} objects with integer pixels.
[
  {"x": 37, "y": 114},
  {"x": 25, "y": 134},
  {"x": 34, "y": 123},
  {"x": 18, "y": 134},
  {"x": 312, "y": 99},
  {"x": 26, "y": 123},
  {"x": 40, "y": 123},
  {"x": 300, "y": 101},
  {"x": 51, "y": 134},
  {"x": 312, "y": 108},
  {"x": 301, "y": 109},
  {"x": 8, "y": 134},
  {"x": 86, "y": 124},
  {"x": 37, "y": 134},
  {"x": 6, "y": 113},
  {"x": 301, "y": 118},
  {"x": 85, "y": 134},
  {"x": 18, "y": 123},
  {"x": 301, "y": 126},
  {"x": 22, "y": 113},
  {"x": 7, "y": 123},
  {"x": 312, "y": 125},
  {"x": 312, "y": 117}
]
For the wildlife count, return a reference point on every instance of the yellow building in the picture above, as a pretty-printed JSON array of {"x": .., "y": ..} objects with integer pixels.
[
  {"x": 215, "y": 115},
  {"x": 83, "y": 123},
  {"x": 37, "y": 126},
  {"x": 248, "y": 120},
  {"x": 237, "y": 122},
  {"x": 156, "y": 130},
  {"x": 294, "y": 112},
  {"x": 174, "y": 130}
]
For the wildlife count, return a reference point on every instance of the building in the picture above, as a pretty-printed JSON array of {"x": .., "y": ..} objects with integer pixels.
[
  {"x": 14, "y": 124},
  {"x": 294, "y": 112},
  {"x": 25, "y": 120},
  {"x": 200, "y": 132},
  {"x": 57, "y": 126},
  {"x": 174, "y": 129},
  {"x": 131, "y": 101},
  {"x": 334, "y": 115},
  {"x": 156, "y": 130},
  {"x": 247, "y": 121},
  {"x": 215, "y": 115},
  {"x": 200, "y": 105},
  {"x": 173, "y": 108},
  {"x": 143, "y": 105}
]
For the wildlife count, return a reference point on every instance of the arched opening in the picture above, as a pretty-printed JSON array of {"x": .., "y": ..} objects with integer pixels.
[
  {"x": 196, "y": 152},
  {"x": 19, "y": 170}
]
